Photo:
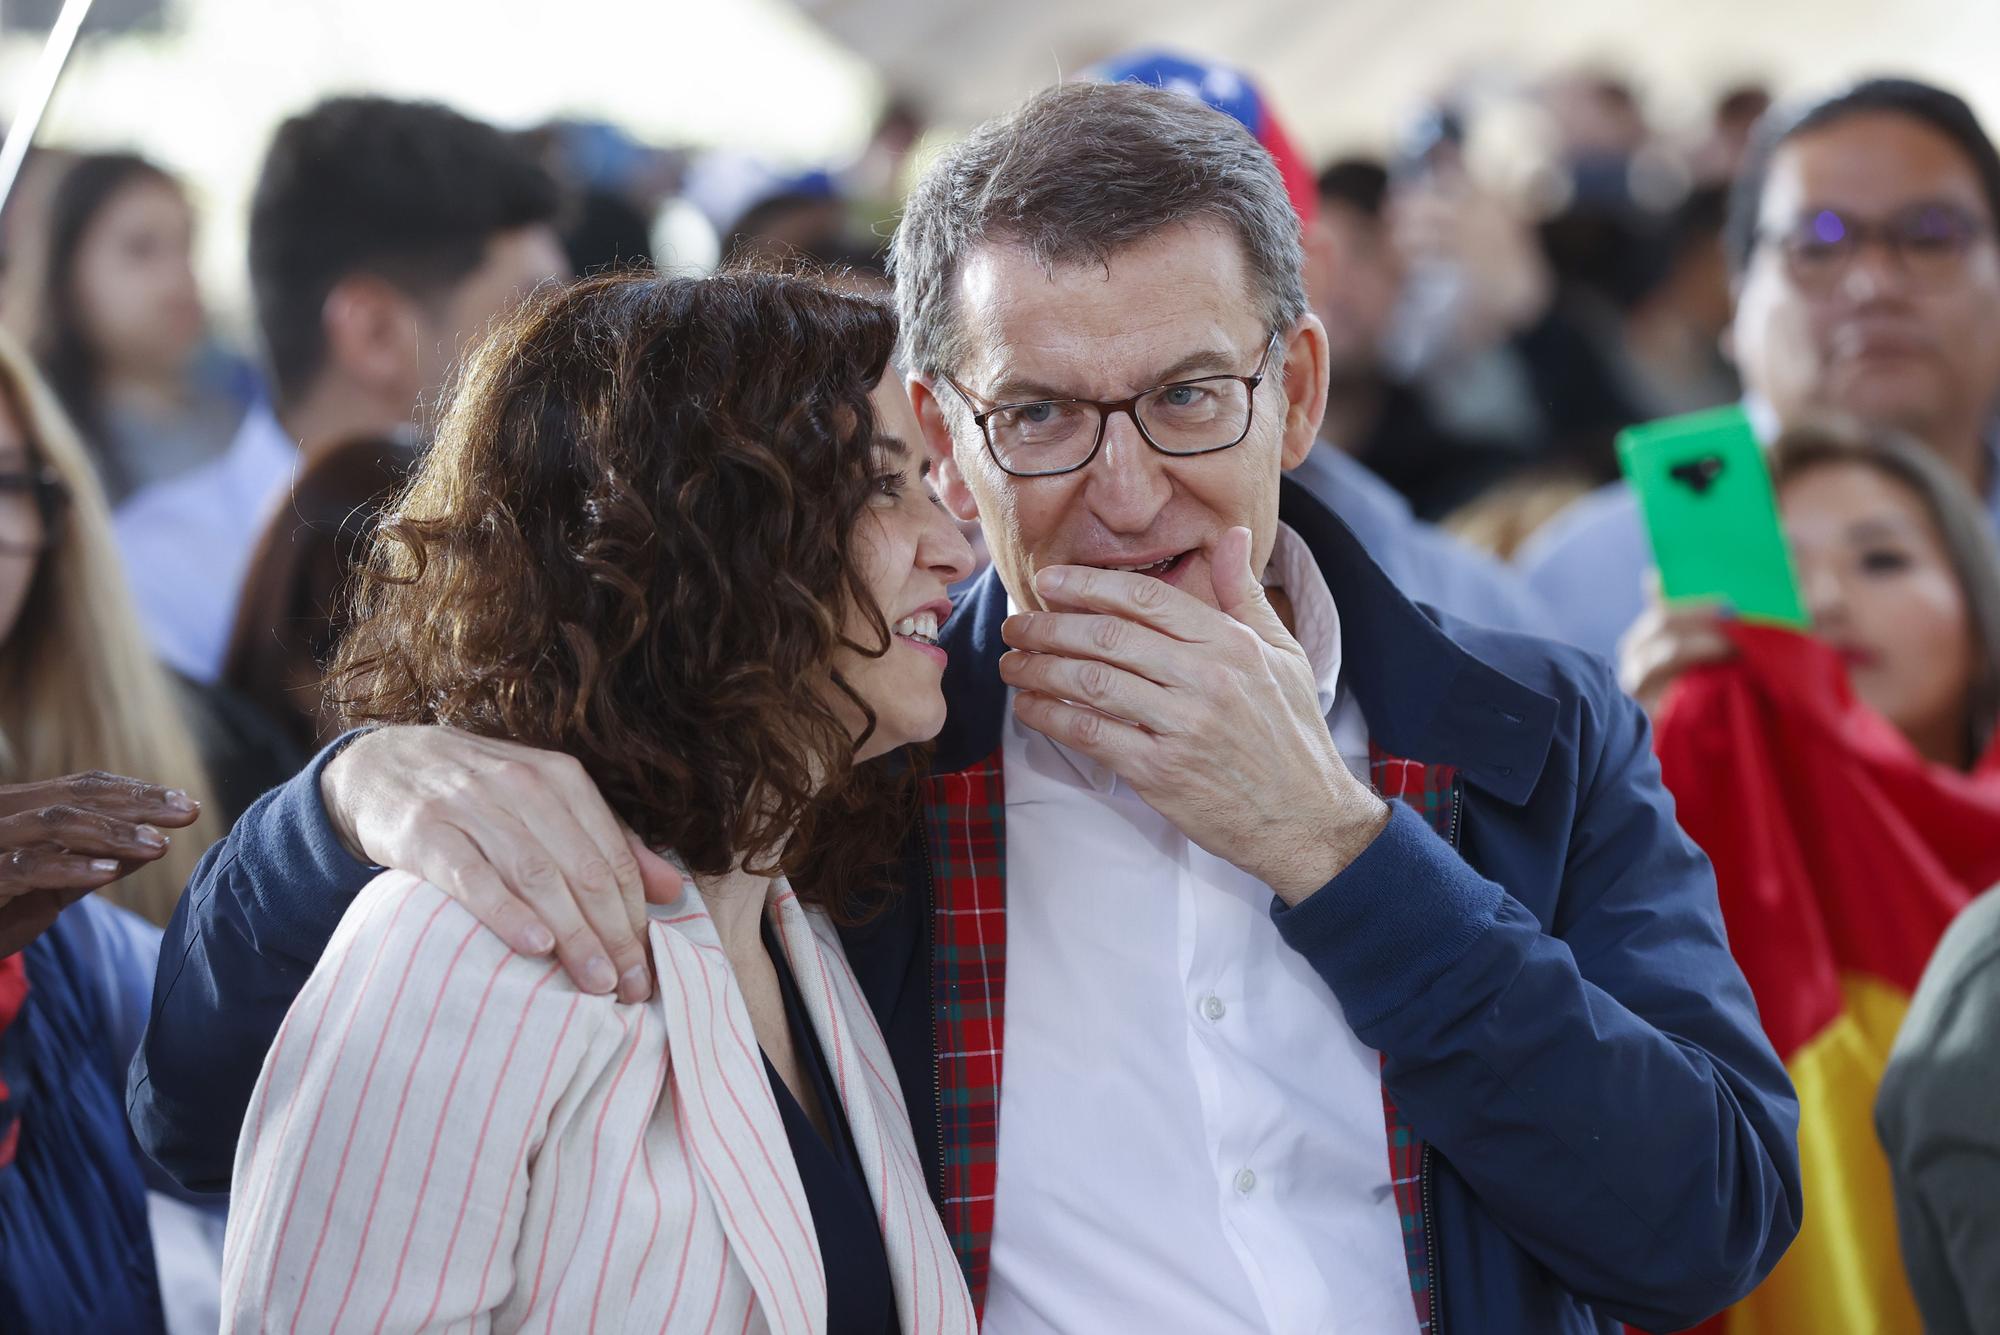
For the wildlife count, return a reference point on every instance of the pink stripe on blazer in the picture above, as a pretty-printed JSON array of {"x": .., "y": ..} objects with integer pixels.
[{"x": 448, "y": 1136}]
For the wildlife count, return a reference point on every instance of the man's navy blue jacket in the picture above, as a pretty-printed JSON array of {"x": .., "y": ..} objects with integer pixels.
[{"x": 1555, "y": 1001}]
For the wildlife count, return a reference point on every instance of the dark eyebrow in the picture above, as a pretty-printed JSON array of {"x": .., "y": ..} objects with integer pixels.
[
  {"x": 1874, "y": 529},
  {"x": 899, "y": 447},
  {"x": 1209, "y": 361}
]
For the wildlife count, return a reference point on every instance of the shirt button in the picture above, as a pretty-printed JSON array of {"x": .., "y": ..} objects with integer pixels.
[
  {"x": 1246, "y": 1182},
  {"x": 1212, "y": 1008}
]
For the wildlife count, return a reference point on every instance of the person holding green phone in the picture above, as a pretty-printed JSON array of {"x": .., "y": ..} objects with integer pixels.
[
  {"x": 1896, "y": 569},
  {"x": 1846, "y": 785}
]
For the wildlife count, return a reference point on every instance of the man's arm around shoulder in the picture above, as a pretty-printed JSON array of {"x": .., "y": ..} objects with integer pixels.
[
  {"x": 521, "y": 838},
  {"x": 244, "y": 939}
]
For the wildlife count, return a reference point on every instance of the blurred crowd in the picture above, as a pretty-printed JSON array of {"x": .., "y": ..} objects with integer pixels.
[{"x": 181, "y": 514}]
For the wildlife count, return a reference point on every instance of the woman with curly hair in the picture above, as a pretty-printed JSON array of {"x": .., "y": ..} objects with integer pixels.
[{"x": 677, "y": 530}]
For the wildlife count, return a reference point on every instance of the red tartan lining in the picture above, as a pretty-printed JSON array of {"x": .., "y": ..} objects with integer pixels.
[
  {"x": 967, "y": 830},
  {"x": 1427, "y": 789}
]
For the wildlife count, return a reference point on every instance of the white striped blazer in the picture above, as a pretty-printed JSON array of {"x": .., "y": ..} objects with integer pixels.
[{"x": 449, "y": 1136}]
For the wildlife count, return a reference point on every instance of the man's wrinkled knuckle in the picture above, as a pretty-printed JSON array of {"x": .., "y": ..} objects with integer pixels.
[
  {"x": 596, "y": 872},
  {"x": 1150, "y": 594},
  {"x": 428, "y": 809},
  {"x": 513, "y": 772},
  {"x": 1094, "y": 680},
  {"x": 1088, "y": 729},
  {"x": 462, "y": 881},
  {"x": 537, "y": 873},
  {"x": 1107, "y": 634},
  {"x": 625, "y": 871}
]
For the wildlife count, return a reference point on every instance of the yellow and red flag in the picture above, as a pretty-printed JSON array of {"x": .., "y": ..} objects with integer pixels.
[{"x": 1840, "y": 855}]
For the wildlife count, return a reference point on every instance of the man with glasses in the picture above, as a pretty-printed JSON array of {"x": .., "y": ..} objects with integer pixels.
[
  {"x": 1272, "y": 954},
  {"x": 1861, "y": 235}
]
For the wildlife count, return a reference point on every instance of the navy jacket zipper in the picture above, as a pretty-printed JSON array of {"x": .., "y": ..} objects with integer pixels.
[{"x": 1426, "y": 1180}]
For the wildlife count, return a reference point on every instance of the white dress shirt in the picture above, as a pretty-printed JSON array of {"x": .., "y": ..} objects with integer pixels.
[
  {"x": 1191, "y": 1137},
  {"x": 187, "y": 543},
  {"x": 449, "y": 1136}
]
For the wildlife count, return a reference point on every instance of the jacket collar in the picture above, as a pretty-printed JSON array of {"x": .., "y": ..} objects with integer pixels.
[{"x": 1424, "y": 696}]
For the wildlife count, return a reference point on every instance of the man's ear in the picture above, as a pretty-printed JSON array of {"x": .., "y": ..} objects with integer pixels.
[
  {"x": 1306, "y": 361},
  {"x": 373, "y": 330},
  {"x": 951, "y": 488}
]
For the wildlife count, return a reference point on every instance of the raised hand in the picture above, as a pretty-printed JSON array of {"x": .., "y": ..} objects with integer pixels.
[
  {"x": 1211, "y": 716},
  {"x": 1667, "y": 642},
  {"x": 62, "y": 838}
]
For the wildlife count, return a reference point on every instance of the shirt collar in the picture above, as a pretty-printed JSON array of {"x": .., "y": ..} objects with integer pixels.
[
  {"x": 1315, "y": 618},
  {"x": 1316, "y": 626}
]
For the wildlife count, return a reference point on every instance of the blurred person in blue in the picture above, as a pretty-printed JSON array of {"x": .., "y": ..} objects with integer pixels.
[
  {"x": 121, "y": 331},
  {"x": 1353, "y": 284},
  {"x": 384, "y": 237},
  {"x": 614, "y": 186},
  {"x": 1867, "y": 284},
  {"x": 1274, "y": 953},
  {"x": 764, "y": 215},
  {"x": 77, "y": 1251}
]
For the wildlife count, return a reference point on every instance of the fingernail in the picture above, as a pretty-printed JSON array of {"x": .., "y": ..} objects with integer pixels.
[
  {"x": 538, "y": 940},
  {"x": 104, "y": 866},
  {"x": 151, "y": 837},
  {"x": 180, "y": 801},
  {"x": 598, "y": 975},
  {"x": 636, "y": 985},
  {"x": 1050, "y": 580}
]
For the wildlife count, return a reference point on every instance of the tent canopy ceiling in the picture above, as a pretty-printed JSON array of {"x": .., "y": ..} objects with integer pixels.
[{"x": 1349, "y": 73}]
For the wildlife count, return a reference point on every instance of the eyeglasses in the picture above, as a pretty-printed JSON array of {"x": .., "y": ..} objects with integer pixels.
[
  {"x": 33, "y": 502},
  {"x": 1929, "y": 242},
  {"x": 1048, "y": 437}
]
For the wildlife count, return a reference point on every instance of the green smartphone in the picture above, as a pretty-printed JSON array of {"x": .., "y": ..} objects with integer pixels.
[{"x": 1705, "y": 492}]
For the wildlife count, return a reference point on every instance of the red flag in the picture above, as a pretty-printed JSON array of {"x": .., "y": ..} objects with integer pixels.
[{"x": 1840, "y": 857}]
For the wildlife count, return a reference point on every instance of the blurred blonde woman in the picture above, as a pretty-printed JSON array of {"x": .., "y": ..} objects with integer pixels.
[{"x": 79, "y": 687}]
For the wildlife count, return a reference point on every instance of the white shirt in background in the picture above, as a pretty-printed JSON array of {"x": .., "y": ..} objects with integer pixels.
[
  {"x": 1191, "y": 1137},
  {"x": 187, "y": 543}
]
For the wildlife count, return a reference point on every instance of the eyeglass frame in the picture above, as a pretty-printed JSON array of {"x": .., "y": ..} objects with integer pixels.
[
  {"x": 1107, "y": 408},
  {"x": 1859, "y": 232},
  {"x": 51, "y": 496}
]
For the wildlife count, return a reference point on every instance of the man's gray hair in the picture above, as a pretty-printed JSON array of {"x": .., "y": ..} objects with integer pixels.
[{"x": 1073, "y": 175}]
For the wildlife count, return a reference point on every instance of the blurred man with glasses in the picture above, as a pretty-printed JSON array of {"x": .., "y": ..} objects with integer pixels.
[
  {"x": 1867, "y": 277},
  {"x": 1270, "y": 953}
]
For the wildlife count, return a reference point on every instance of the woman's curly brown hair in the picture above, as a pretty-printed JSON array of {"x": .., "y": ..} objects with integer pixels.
[{"x": 631, "y": 543}]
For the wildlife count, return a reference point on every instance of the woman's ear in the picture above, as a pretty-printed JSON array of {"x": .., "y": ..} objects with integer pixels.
[{"x": 951, "y": 487}]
